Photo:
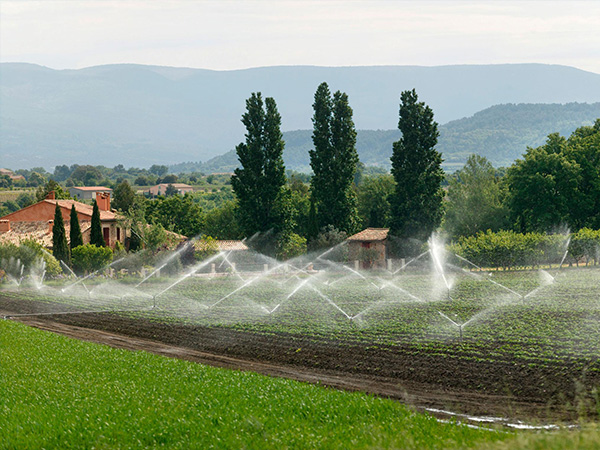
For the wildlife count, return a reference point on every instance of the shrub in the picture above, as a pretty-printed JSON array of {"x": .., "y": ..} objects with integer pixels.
[
  {"x": 89, "y": 258},
  {"x": 290, "y": 245}
]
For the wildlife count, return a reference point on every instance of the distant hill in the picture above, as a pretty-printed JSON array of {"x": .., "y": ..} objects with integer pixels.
[
  {"x": 501, "y": 133},
  {"x": 142, "y": 115}
]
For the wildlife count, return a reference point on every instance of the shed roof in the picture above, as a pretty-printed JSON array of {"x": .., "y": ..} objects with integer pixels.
[{"x": 370, "y": 234}]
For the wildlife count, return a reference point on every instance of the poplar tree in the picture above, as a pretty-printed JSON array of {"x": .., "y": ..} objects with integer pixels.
[
  {"x": 416, "y": 204},
  {"x": 76, "y": 239},
  {"x": 333, "y": 161},
  {"x": 60, "y": 248},
  {"x": 259, "y": 182},
  {"x": 96, "y": 237}
]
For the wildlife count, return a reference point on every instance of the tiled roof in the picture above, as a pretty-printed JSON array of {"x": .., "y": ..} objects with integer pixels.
[
  {"x": 370, "y": 234},
  {"x": 37, "y": 231},
  {"x": 83, "y": 208}
]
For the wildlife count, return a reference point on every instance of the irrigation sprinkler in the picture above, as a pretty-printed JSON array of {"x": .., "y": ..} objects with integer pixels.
[{"x": 456, "y": 324}]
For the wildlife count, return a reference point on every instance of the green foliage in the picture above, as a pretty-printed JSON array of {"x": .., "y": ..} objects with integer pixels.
[
  {"x": 416, "y": 203},
  {"x": 96, "y": 237},
  {"x": 221, "y": 222},
  {"x": 123, "y": 196},
  {"x": 558, "y": 183},
  {"x": 89, "y": 258},
  {"x": 205, "y": 247},
  {"x": 76, "y": 239},
  {"x": 373, "y": 205},
  {"x": 60, "y": 248},
  {"x": 334, "y": 161},
  {"x": 29, "y": 252},
  {"x": 509, "y": 249},
  {"x": 290, "y": 245},
  {"x": 475, "y": 200},
  {"x": 59, "y": 193},
  {"x": 258, "y": 182},
  {"x": 176, "y": 213},
  {"x": 585, "y": 245}
]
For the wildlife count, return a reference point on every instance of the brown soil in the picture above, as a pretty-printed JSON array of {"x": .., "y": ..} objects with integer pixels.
[{"x": 422, "y": 379}]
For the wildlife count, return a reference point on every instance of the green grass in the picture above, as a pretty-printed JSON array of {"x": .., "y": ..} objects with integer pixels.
[{"x": 62, "y": 393}]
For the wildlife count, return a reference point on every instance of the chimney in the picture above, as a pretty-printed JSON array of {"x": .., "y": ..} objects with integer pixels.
[
  {"x": 50, "y": 225},
  {"x": 103, "y": 201},
  {"x": 51, "y": 196},
  {"x": 4, "y": 225}
]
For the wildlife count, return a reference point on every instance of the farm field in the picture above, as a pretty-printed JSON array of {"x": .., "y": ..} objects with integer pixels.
[
  {"x": 522, "y": 345},
  {"x": 64, "y": 393}
]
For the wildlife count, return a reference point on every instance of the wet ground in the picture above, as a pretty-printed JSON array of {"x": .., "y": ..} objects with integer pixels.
[{"x": 557, "y": 392}]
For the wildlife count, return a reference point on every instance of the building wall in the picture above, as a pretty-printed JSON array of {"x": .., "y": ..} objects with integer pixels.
[
  {"x": 42, "y": 211},
  {"x": 356, "y": 249},
  {"x": 86, "y": 194}
]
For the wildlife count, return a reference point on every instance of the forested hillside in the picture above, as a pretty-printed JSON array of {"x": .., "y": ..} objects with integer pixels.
[{"x": 501, "y": 133}]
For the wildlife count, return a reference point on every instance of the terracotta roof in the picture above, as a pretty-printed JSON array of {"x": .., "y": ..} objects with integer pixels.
[
  {"x": 370, "y": 234},
  {"x": 91, "y": 188},
  {"x": 37, "y": 231},
  {"x": 83, "y": 208}
]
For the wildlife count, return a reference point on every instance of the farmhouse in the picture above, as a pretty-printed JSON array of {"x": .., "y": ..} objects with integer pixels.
[
  {"x": 10, "y": 174},
  {"x": 370, "y": 247},
  {"x": 87, "y": 192},
  {"x": 161, "y": 189},
  {"x": 36, "y": 221}
]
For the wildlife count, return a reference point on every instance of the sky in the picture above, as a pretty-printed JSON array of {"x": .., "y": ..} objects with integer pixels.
[{"x": 227, "y": 35}]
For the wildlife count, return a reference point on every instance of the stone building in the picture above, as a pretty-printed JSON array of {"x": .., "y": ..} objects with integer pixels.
[
  {"x": 369, "y": 247},
  {"x": 36, "y": 221}
]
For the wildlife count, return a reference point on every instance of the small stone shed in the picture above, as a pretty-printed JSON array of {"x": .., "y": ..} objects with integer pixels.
[{"x": 369, "y": 247}]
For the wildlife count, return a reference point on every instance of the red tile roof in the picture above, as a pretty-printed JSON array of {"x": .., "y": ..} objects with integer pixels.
[
  {"x": 371, "y": 234},
  {"x": 83, "y": 208}
]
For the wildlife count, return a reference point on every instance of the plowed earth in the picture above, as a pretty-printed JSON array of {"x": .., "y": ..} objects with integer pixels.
[{"x": 555, "y": 392}]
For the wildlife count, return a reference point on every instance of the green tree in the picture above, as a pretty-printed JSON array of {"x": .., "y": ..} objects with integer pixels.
[
  {"x": 476, "y": 200},
  {"x": 123, "y": 196},
  {"x": 96, "y": 237},
  {"x": 76, "y": 239},
  {"x": 373, "y": 203},
  {"x": 60, "y": 248},
  {"x": 544, "y": 188},
  {"x": 259, "y": 182},
  {"x": 59, "y": 193},
  {"x": 334, "y": 160},
  {"x": 222, "y": 223},
  {"x": 176, "y": 213},
  {"x": 170, "y": 191},
  {"x": 416, "y": 203}
]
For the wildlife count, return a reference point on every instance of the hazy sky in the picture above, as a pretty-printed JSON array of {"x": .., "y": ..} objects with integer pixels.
[{"x": 240, "y": 34}]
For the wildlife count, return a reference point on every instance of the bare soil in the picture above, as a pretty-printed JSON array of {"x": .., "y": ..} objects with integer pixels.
[{"x": 554, "y": 392}]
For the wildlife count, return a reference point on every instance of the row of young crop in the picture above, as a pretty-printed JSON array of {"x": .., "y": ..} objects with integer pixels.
[{"x": 510, "y": 250}]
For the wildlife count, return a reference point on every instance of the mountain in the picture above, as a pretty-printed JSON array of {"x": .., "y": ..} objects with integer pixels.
[
  {"x": 501, "y": 133},
  {"x": 141, "y": 115}
]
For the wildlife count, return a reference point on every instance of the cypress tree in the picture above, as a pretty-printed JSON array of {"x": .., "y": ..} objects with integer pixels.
[
  {"x": 334, "y": 161},
  {"x": 76, "y": 239},
  {"x": 96, "y": 237},
  {"x": 416, "y": 203},
  {"x": 259, "y": 182},
  {"x": 60, "y": 248}
]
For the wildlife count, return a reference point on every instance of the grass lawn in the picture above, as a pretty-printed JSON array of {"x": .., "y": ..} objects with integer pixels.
[{"x": 57, "y": 392}]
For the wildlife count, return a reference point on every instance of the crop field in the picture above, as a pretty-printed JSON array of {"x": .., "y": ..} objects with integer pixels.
[{"x": 531, "y": 337}]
